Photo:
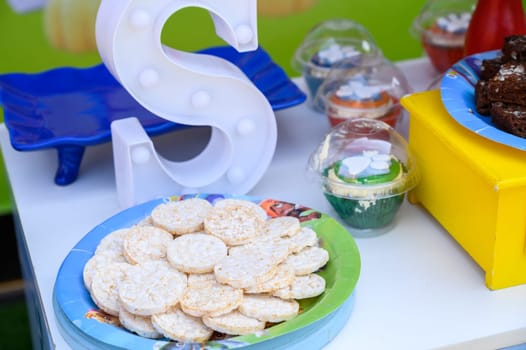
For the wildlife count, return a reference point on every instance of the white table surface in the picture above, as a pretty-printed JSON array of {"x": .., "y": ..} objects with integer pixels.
[{"x": 417, "y": 290}]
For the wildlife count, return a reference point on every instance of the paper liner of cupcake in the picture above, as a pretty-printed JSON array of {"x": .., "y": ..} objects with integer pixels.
[{"x": 364, "y": 168}]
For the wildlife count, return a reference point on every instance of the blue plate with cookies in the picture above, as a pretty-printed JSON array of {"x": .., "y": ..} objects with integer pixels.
[{"x": 85, "y": 324}]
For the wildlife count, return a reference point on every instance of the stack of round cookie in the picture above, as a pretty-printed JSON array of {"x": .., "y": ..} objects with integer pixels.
[{"x": 192, "y": 268}]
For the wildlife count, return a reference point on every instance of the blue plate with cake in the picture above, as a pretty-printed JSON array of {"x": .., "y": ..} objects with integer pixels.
[{"x": 496, "y": 118}]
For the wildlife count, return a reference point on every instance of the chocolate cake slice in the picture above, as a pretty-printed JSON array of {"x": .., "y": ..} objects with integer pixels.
[
  {"x": 482, "y": 103},
  {"x": 508, "y": 85},
  {"x": 514, "y": 48},
  {"x": 489, "y": 67},
  {"x": 510, "y": 118},
  {"x": 501, "y": 89}
]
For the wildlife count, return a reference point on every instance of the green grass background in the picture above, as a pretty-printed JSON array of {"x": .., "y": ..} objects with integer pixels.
[{"x": 24, "y": 47}]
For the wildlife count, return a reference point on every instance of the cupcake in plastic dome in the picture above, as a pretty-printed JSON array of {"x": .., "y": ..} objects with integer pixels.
[
  {"x": 441, "y": 26},
  {"x": 365, "y": 169},
  {"x": 372, "y": 91},
  {"x": 329, "y": 43}
]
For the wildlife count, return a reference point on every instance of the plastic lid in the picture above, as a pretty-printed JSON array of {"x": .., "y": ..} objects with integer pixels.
[
  {"x": 332, "y": 41},
  {"x": 364, "y": 159},
  {"x": 443, "y": 16},
  {"x": 370, "y": 90}
]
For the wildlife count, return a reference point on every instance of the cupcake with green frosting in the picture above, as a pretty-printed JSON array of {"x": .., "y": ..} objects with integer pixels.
[{"x": 366, "y": 169}]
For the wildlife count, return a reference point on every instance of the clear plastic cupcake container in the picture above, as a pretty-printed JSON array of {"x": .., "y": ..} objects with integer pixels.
[
  {"x": 364, "y": 168},
  {"x": 370, "y": 91},
  {"x": 329, "y": 43},
  {"x": 441, "y": 27}
]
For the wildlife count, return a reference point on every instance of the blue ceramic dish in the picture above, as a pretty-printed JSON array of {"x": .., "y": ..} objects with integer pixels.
[{"x": 70, "y": 108}]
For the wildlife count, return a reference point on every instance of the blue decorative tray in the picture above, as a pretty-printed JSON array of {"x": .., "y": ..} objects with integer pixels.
[{"x": 70, "y": 108}]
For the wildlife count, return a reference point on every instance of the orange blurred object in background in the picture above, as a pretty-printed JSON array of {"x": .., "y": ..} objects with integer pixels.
[{"x": 491, "y": 22}]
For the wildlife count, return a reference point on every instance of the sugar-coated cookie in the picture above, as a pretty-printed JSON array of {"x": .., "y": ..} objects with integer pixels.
[
  {"x": 308, "y": 260},
  {"x": 112, "y": 244},
  {"x": 141, "y": 325},
  {"x": 234, "y": 202},
  {"x": 281, "y": 226},
  {"x": 180, "y": 217},
  {"x": 152, "y": 287},
  {"x": 146, "y": 243},
  {"x": 94, "y": 264},
  {"x": 196, "y": 252},
  {"x": 175, "y": 324},
  {"x": 105, "y": 286},
  {"x": 198, "y": 279},
  {"x": 283, "y": 278},
  {"x": 234, "y": 224},
  {"x": 268, "y": 308},
  {"x": 275, "y": 251},
  {"x": 244, "y": 271},
  {"x": 303, "y": 287},
  {"x": 211, "y": 299},
  {"x": 234, "y": 323},
  {"x": 306, "y": 237}
]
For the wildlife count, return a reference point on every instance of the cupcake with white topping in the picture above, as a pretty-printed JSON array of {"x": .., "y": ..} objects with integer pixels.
[
  {"x": 372, "y": 92},
  {"x": 365, "y": 169},
  {"x": 441, "y": 26},
  {"x": 330, "y": 43}
]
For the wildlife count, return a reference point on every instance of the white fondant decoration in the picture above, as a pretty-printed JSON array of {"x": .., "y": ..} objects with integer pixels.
[
  {"x": 454, "y": 22},
  {"x": 370, "y": 153},
  {"x": 366, "y": 144},
  {"x": 361, "y": 90},
  {"x": 190, "y": 89},
  {"x": 355, "y": 165},
  {"x": 382, "y": 157},
  {"x": 336, "y": 52},
  {"x": 379, "y": 165}
]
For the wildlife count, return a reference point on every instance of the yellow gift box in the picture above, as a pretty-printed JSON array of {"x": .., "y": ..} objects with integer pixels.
[{"x": 474, "y": 187}]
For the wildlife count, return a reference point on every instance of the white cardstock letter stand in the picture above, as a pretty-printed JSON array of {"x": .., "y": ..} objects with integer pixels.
[{"x": 186, "y": 88}]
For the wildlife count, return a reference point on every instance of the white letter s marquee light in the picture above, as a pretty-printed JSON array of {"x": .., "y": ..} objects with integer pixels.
[{"x": 186, "y": 88}]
